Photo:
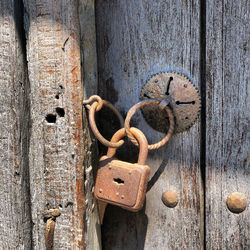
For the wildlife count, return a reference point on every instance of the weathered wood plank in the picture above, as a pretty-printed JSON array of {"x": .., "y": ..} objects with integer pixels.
[
  {"x": 15, "y": 217},
  {"x": 227, "y": 161},
  {"x": 136, "y": 39},
  {"x": 56, "y": 152},
  {"x": 89, "y": 80}
]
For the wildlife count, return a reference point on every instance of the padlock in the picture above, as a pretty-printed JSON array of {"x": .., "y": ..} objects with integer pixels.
[{"x": 121, "y": 183}]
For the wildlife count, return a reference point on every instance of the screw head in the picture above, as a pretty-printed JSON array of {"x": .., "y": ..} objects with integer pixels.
[
  {"x": 169, "y": 198},
  {"x": 236, "y": 202},
  {"x": 122, "y": 196},
  {"x": 100, "y": 190}
]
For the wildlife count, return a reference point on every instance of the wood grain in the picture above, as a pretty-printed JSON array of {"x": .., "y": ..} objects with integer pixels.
[
  {"x": 89, "y": 79},
  {"x": 227, "y": 146},
  {"x": 56, "y": 152},
  {"x": 15, "y": 217},
  {"x": 134, "y": 40}
]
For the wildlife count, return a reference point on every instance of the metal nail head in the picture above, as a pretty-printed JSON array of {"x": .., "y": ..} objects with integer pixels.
[
  {"x": 169, "y": 198},
  {"x": 236, "y": 202}
]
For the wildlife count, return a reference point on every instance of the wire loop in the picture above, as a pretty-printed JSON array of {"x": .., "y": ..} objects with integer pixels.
[
  {"x": 132, "y": 111},
  {"x": 96, "y": 107}
]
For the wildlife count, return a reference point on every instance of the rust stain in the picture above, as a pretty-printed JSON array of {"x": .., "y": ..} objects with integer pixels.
[
  {"x": 76, "y": 95},
  {"x": 80, "y": 207},
  {"x": 74, "y": 72}
]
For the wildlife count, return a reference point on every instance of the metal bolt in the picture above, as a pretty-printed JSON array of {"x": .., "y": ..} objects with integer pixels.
[
  {"x": 122, "y": 196},
  {"x": 100, "y": 190},
  {"x": 236, "y": 202},
  {"x": 169, "y": 198}
]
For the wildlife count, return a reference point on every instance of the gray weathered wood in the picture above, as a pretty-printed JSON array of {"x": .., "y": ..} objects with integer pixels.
[
  {"x": 227, "y": 146},
  {"x": 15, "y": 217},
  {"x": 57, "y": 143},
  {"x": 136, "y": 39},
  {"x": 89, "y": 79}
]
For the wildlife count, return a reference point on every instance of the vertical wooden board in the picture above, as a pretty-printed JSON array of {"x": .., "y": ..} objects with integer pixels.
[
  {"x": 56, "y": 152},
  {"x": 15, "y": 217},
  {"x": 227, "y": 160},
  {"x": 134, "y": 40},
  {"x": 89, "y": 79}
]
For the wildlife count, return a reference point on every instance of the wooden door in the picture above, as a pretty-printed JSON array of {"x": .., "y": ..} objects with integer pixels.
[
  {"x": 48, "y": 156},
  {"x": 207, "y": 41}
]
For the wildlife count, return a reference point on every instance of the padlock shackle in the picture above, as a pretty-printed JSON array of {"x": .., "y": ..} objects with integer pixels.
[{"x": 143, "y": 142}]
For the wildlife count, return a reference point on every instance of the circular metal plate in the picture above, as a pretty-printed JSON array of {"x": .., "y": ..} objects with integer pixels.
[{"x": 184, "y": 101}]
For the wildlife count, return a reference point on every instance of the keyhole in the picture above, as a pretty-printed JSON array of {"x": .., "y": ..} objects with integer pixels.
[{"x": 119, "y": 181}]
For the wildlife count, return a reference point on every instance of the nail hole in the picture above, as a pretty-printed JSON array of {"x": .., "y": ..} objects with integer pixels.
[
  {"x": 60, "y": 205},
  {"x": 186, "y": 118},
  {"x": 50, "y": 118},
  {"x": 69, "y": 203},
  {"x": 57, "y": 96},
  {"x": 60, "y": 112},
  {"x": 73, "y": 156},
  {"x": 156, "y": 80},
  {"x": 60, "y": 86},
  {"x": 145, "y": 95},
  {"x": 185, "y": 85},
  {"x": 118, "y": 181},
  {"x": 17, "y": 173}
]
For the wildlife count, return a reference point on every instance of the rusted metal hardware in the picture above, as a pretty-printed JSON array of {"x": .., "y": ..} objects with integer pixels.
[
  {"x": 92, "y": 99},
  {"x": 50, "y": 217},
  {"x": 171, "y": 127},
  {"x": 184, "y": 101},
  {"x": 121, "y": 183},
  {"x": 169, "y": 198},
  {"x": 236, "y": 202},
  {"x": 95, "y": 107}
]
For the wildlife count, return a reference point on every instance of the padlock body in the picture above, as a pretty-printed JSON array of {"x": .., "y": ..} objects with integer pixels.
[{"x": 121, "y": 183}]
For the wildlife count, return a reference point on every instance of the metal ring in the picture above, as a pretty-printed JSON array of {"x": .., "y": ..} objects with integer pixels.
[
  {"x": 132, "y": 111},
  {"x": 93, "y": 109},
  {"x": 94, "y": 98},
  {"x": 138, "y": 134}
]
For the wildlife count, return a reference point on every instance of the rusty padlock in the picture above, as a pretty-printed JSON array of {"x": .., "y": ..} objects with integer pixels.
[{"x": 121, "y": 183}]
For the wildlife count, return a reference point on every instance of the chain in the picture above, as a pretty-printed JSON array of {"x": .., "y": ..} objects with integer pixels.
[{"x": 97, "y": 105}]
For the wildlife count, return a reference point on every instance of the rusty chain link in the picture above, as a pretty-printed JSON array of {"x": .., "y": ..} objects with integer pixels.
[
  {"x": 132, "y": 111},
  {"x": 94, "y": 98},
  {"x": 97, "y": 106}
]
